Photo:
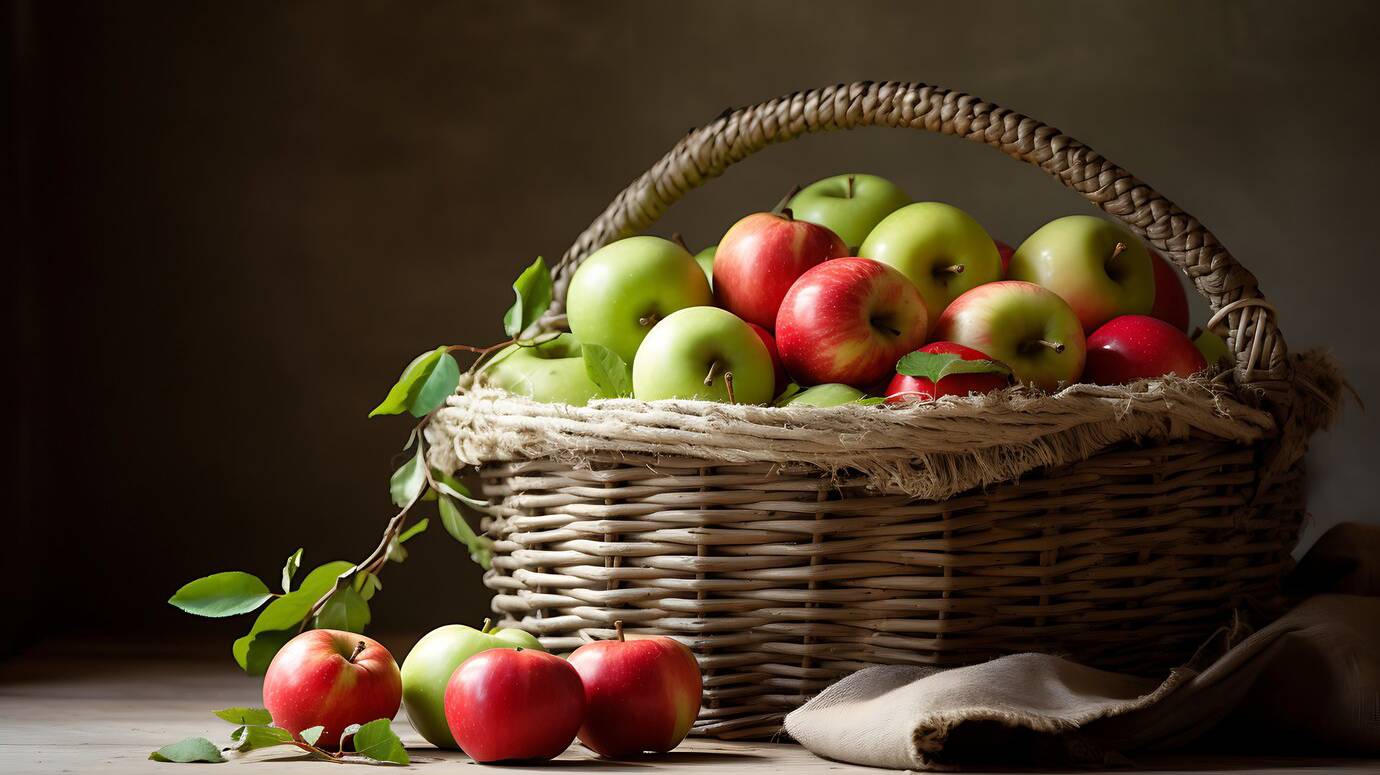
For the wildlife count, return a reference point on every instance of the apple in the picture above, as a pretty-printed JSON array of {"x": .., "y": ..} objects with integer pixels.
[
  {"x": 828, "y": 394},
  {"x": 705, "y": 258},
  {"x": 938, "y": 247},
  {"x": 1171, "y": 302},
  {"x": 778, "y": 371},
  {"x": 641, "y": 694},
  {"x": 1023, "y": 325},
  {"x": 1005, "y": 251},
  {"x": 430, "y": 663},
  {"x": 624, "y": 288},
  {"x": 331, "y": 679},
  {"x": 514, "y": 704},
  {"x": 553, "y": 371},
  {"x": 1132, "y": 347},
  {"x": 707, "y": 354},
  {"x": 1093, "y": 264},
  {"x": 761, "y": 256},
  {"x": 847, "y": 321},
  {"x": 907, "y": 387},
  {"x": 1214, "y": 349},
  {"x": 848, "y": 205}
]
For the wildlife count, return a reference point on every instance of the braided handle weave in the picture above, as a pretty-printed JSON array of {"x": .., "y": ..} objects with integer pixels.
[{"x": 1262, "y": 365}]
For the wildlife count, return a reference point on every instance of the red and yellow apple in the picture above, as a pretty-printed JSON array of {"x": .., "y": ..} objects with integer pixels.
[
  {"x": 1025, "y": 326},
  {"x": 761, "y": 256},
  {"x": 331, "y": 679},
  {"x": 514, "y": 705}
]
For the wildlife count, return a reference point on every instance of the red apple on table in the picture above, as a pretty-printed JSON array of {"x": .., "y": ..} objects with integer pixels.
[
  {"x": 1171, "y": 302},
  {"x": 641, "y": 694},
  {"x": 514, "y": 705},
  {"x": 1132, "y": 347},
  {"x": 761, "y": 256},
  {"x": 331, "y": 679},
  {"x": 777, "y": 368},
  {"x": 849, "y": 320},
  {"x": 960, "y": 371},
  {"x": 1004, "y": 251},
  {"x": 1025, "y": 326}
]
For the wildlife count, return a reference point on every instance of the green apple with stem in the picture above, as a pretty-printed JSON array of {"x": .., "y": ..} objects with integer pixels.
[
  {"x": 828, "y": 394},
  {"x": 552, "y": 370},
  {"x": 704, "y": 353},
  {"x": 705, "y": 258},
  {"x": 430, "y": 663},
  {"x": 625, "y": 288},
  {"x": 942, "y": 250},
  {"x": 848, "y": 205},
  {"x": 1022, "y": 325},
  {"x": 1096, "y": 266}
]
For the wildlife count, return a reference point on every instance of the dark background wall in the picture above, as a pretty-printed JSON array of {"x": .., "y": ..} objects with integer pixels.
[{"x": 233, "y": 223}]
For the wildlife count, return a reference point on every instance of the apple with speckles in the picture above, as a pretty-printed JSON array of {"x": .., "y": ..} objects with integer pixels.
[
  {"x": 1023, "y": 325},
  {"x": 1132, "y": 347},
  {"x": 761, "y": 256},
  {"x": 331, "y": 679}
]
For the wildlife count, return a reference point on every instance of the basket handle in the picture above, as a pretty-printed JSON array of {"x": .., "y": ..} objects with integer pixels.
[{"x": 1262, "y": 364}]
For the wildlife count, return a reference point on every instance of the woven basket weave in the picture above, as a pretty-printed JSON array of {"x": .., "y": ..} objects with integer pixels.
[{"x": 790, "y": 546}]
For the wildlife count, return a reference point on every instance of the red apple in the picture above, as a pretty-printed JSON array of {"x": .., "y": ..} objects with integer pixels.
[
  {"x": 905, "y": 387},
  {"x": 641, "y": 694},
  {"x": 1132, "y": 347},
  {"x": 514, "y": 704},
  {"x": 1023, "y": 325},
  {"x": 1005, "y": 251},
  {"x": 849, "y": 320},
  {"x": 1171, "y": 302},
  {"x": 770, "y": 342},
  {"x": 331, "y": 679},
  {"x": 761, "y": 256}
]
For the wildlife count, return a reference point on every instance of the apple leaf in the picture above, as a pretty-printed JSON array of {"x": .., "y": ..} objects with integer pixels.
[
  {"x": 256, "y": 736},
  {"x": 401, "y": 396},
  {"x": 437, "y": 386},
  {"x": 368, "y": 585},
  {"x": 222, "y": 594},
  {"x": 191, "y": 749},
  {"x": 294, "y": 561},
  {"x": 280, "y": 620},
  {"x": 311, "y": 734},
  {"x": 378, "y": 742},
  {"x": 416, "y": 529},
  {"x": 937, "y": 366},
  {"x": 533, "y": 292},
  {"x": 244, "y": 716},
  {"x": 607, "y": 370},
  {"x": 870, "y": 400},
  {"x": 345, "y": 610},
  {"x": 455, "y": 524},
  {"x": 787, "y": 394},
  {"x": 408, "y": 481}
]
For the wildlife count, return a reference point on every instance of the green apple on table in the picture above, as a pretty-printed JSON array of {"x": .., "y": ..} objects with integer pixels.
[
  {"x": 704, "y": 353},
  {"x": 942, "y": 250},
  {"x": 552, "y": 371},
  {"x": 705, "y": 258},
  {"x": 828, "y": 394},
  {"x": 430, "y": 663},
  {"x": 848, "y": 205},
  {"x": 624, "y": 288},
  {"x": 1099, "y": 268}
]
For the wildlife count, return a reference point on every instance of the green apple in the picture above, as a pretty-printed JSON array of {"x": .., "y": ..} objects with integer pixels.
[
  {"x": 1214, "y": 349},
  {"x": 848, "y": 205},
  {"x": 553, "y": 371},
  {"x": 1099, "y": 268},
  {"x": 621, "y": 291},
  {"x": 429, "y": 664},
  {"x": 704, "y": 353},
  {"x": 828, "y": 394},
  {"x": 939, "y": 248},
  {"x": 705, "y": 258}
]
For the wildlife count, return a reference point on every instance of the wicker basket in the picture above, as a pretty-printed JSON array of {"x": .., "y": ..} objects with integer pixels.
[{"x": 789, "y": 547}]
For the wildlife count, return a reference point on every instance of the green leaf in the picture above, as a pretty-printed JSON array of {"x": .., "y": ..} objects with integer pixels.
[
  {"x": 290, "y": 569},
  {"x": 416, "y": 529},
  {"x": 533, "y": 292},
  {"x": 870, "y": 400},
  {"x": 481, "y": 548},
  {"x": 404, "y": 392},
  {"x": 396, "y": 552},
  {"x": 256, "y": 737},
  {"x": 453, "y": 487},
  {"x": 790, "y": 392},
  {"x": 191, "y": 749},
  {"x": 437, "y": 387},
  {"x": 937, "y": 366},
  {"x": 311, "y": 734},
  {"x": 244, "y": 716},
  {"x": 607, "y": 371},
  {"x": 346, "y": 610},
  {"x": 368, "y": 585},
  {"x": 408, "y": 481},
  {"x": 222, "y": 594},
  {"x": 377, "y": 741},
  {"x": 279, "y": 620}
]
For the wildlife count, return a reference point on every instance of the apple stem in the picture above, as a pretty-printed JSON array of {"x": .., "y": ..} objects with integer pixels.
[
  {"x": 1118, "y": 250},
  {"x": 484, "y": 628},
  {"x": 618, "y": 629},
  {"x": 787, "y": 214},
  {"x": 952, "y": 269},
  {"x": 1055, "y": 346},
  {"x": 728, "y": 385},
  {"x": 360, "y": 646},
  {"x": 713, "y": 372},
  {"x": 648, "y": 320},
  {"x": 679, "y": 240},
  {"x": 786, "y": 200},
  {"x": 850, "y": 187}
]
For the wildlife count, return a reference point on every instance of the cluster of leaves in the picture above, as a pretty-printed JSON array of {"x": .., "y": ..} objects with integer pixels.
[{"x": 374, "y": 742}]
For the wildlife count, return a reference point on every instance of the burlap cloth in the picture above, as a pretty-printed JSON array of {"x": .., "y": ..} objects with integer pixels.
[{"x": 1309, "y": 682}]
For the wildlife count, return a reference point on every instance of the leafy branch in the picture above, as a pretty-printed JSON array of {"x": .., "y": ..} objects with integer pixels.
[{"x": 374, "y": 742}]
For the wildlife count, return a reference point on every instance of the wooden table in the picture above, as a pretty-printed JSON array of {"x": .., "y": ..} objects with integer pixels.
[{"x": 72, "y": 709}]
